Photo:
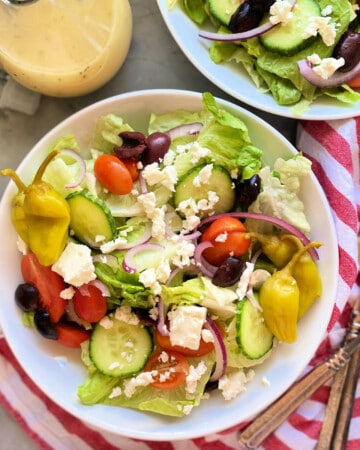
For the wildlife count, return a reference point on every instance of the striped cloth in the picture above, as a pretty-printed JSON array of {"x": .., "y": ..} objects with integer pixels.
[{"x": 333, "y": 148}]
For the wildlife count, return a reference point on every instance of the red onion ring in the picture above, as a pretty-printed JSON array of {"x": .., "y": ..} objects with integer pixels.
[
  {"x": 75, "y": 155},
  {"x": 142, "y": 183},
  {"x": 129, "y": 264},
  {"x": 205, "y": 268},
  {"x": 161, "y": 326},
  {"x": 220, "y": 350},
  {"x": 184, "y": 130},
  {"x": 337, "y": 79},
  {"x": 273, "y": 220},
  {"x": 243, "y": 36}
]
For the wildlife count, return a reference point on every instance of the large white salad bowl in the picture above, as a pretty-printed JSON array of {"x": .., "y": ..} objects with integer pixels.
[{"x": 58, "y": 370}]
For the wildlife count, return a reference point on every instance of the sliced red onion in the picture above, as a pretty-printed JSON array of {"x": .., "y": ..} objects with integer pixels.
[
  {"x": 337, "y": 79},
  {"x": 188, "y": 129},
  {"x": 273, "y": 220},
  {"x": 205, "y": 268},
  {"x": 102, "y": 287},
  {"x": 220, "y": 350},
  {"x": 161, "y": 325},
  {"x": 75, "y": 155},
  {"x": 142, "y": 183},
  {"x": 173, "y": 273},
  {"x": 129, "y": 264},
  {"x": 243, "y": 36}
]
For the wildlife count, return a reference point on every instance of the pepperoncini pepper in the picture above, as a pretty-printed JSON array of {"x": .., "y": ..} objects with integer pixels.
[
  {"x": 276, "y": 247},
  {"x": 279, "y": 298},
  {"x": 40, "y": 215}
]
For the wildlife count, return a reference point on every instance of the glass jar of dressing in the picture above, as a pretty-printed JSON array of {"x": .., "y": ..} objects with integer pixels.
[{"x": 64, "y": 48}]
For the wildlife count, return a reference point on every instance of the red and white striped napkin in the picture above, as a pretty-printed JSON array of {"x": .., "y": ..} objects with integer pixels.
[{"x": 334, "y": 150}]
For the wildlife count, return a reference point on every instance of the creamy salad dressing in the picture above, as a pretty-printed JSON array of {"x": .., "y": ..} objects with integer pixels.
[{"x": 67, "y": 47}]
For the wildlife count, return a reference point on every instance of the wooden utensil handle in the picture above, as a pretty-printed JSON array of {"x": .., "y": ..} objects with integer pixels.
[{"x": 266, "y": 423}]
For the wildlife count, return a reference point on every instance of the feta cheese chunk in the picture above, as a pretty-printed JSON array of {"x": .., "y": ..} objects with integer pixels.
[
  {"x": 234, "y": 383},
  {"x": 75, "y": 264},
  {"x": 186, "y": 324}
]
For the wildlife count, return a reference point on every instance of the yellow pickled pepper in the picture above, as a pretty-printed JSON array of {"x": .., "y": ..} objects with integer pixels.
[
  {"x": 40, "y": 215},
  {"x": 279, "y": 298}
]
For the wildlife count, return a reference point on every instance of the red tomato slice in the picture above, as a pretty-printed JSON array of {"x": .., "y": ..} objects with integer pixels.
[
  {"x": 89, "y": 303},
  {"x": 165, "y": 343},
  {"x": 113, "y": 174},
  {"x": 173, "y": 369},
  {"x": 71, "y": 336},
  {"x": 236, "y": 243},
  {"x": 132, "y": 166},
  {"x": 49, "y": 284},
  {"x": 355, "y": 82}
]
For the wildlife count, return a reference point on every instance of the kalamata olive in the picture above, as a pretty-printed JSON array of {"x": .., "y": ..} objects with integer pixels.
[
  {"x": 348, "y": 48},
  {"x": 229, "y": 272},
  {"x": 248, "y": 15},
  {"x": 27, "y": 297},
  {"x": 44, "y": 325},
  {"x": 248, "y": 190},
  {"x": 134, "y": 143},
  {"x": 157, "y": 145}
]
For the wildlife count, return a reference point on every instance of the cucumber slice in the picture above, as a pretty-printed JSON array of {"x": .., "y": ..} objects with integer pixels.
[
  {"x": 90, "y": 218},
  {"x": 252, "y": 335},
  {"x": 219, "y": 182},
  {"x": 122, "y": 350},
  {"x": 222, "y": 10},
  {"x": 288, "y": 39}
]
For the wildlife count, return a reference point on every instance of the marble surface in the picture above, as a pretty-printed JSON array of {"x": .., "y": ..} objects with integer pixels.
[{"x": 154, "y": 61}]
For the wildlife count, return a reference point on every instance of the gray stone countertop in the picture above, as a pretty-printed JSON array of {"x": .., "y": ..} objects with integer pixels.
[{"x": 154, "y": 61}]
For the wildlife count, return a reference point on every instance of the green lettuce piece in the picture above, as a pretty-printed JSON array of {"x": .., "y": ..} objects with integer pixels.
[
  {"x": 107, "y": 129},
  {"x": 195, "y": 10},
  {"x": 98, "y": 387},
  {"x": 65, "y": 141},
  {"x": 201, "y": 291}
]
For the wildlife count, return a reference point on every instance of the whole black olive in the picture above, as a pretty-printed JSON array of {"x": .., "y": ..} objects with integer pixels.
[
  {"x": 27, "y": 297},
  {"x": 229, "y": 272},
  {"x": 248, "y": 15},
  {"x": 247, "y": 191},
  {"x": 348, "y": 48},
  {"x": 44, "y": 325},
  {"x": 133, "y": 144},
  {"x": 157, "y": 145}
]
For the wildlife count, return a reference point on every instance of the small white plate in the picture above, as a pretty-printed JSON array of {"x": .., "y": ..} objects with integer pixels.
[
  {"x": 40, "y": 357},
  {"x": 233, "y": 79}
]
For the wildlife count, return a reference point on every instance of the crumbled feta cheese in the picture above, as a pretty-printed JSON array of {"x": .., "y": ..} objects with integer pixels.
[
  {"x": 187, "y": 409},
  {"x": 106, "y": 323},
  {"x": 116, "y": 392},
  {"x": 194, "y": 375},
  {"x": 327, "y": 10},
  {"x": 156, "y": 215},
  {"x": 163, "y": 271},
  {"x": 322, "y": 26},
  {"x": 166, "y": 177},
  {"x": 203, "y": 176},
  {"x": 265, "y": 382},
  {"x": 244, "y": 281},
  {"x": 154, "y": 313},
  {"x": 325, "y": 67},
  {"x": 125, "y": 314},
  {"x": 280, "y": 12},
  {"x": 75, "y": 264},
  {"x": 169, "y": 158},
  {"x": 222, "y": 237},
  {"x": 143, "y": 379},
  {"x": 186, "y": 322},
  {"x": 116, "y": 244},
  {"x": 164, "y": 357},
  {"x": 148, "y": 278},
  {"x": 233, "y": 384},
  {"x": 207, "y": 335},
  {"x": 198, "y": 152},
  {"x": 184, "y": 252},
  {"x": 67, "y": 293}
]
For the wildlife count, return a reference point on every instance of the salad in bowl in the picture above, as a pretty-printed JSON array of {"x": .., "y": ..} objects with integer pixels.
[
  {"x": 301, "y": 52},
  {"x": 170, "y": 256}
]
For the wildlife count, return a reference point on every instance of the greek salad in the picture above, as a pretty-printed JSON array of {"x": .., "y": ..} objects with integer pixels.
[
  {"x": 174, "y": 259},
  {"x": 296, "y": 50}
]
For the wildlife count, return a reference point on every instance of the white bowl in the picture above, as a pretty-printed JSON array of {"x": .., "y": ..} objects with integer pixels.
[
  {"x": 39, "y": 357},
  {"x": 233, "y": 79}
]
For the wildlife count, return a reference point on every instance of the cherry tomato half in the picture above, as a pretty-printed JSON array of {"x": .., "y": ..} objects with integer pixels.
[
  {"x": 235, "y": 243},
  {"x": 132, "y": 166},
  {"x": 165, "y": 343},
  {"x": 355, "y": 82},
  {"x": 48, "y": 283},
  {"x": 171, "y": 370},
  {"x": 112, "y": 173},
  {"x": 71, "y": 336},
  {"x": 89, "y": 303}
]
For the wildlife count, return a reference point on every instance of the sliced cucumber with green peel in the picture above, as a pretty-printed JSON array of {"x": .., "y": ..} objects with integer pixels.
[
  {"x": 219, "y": 182},
  {"x": 287, "y": 39},
  {"x": 222, "y": 10},
  {"x": 90, "y": 219},
  {"x": 122, "y": 350},
  {"x": 252, "y": 335}
]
